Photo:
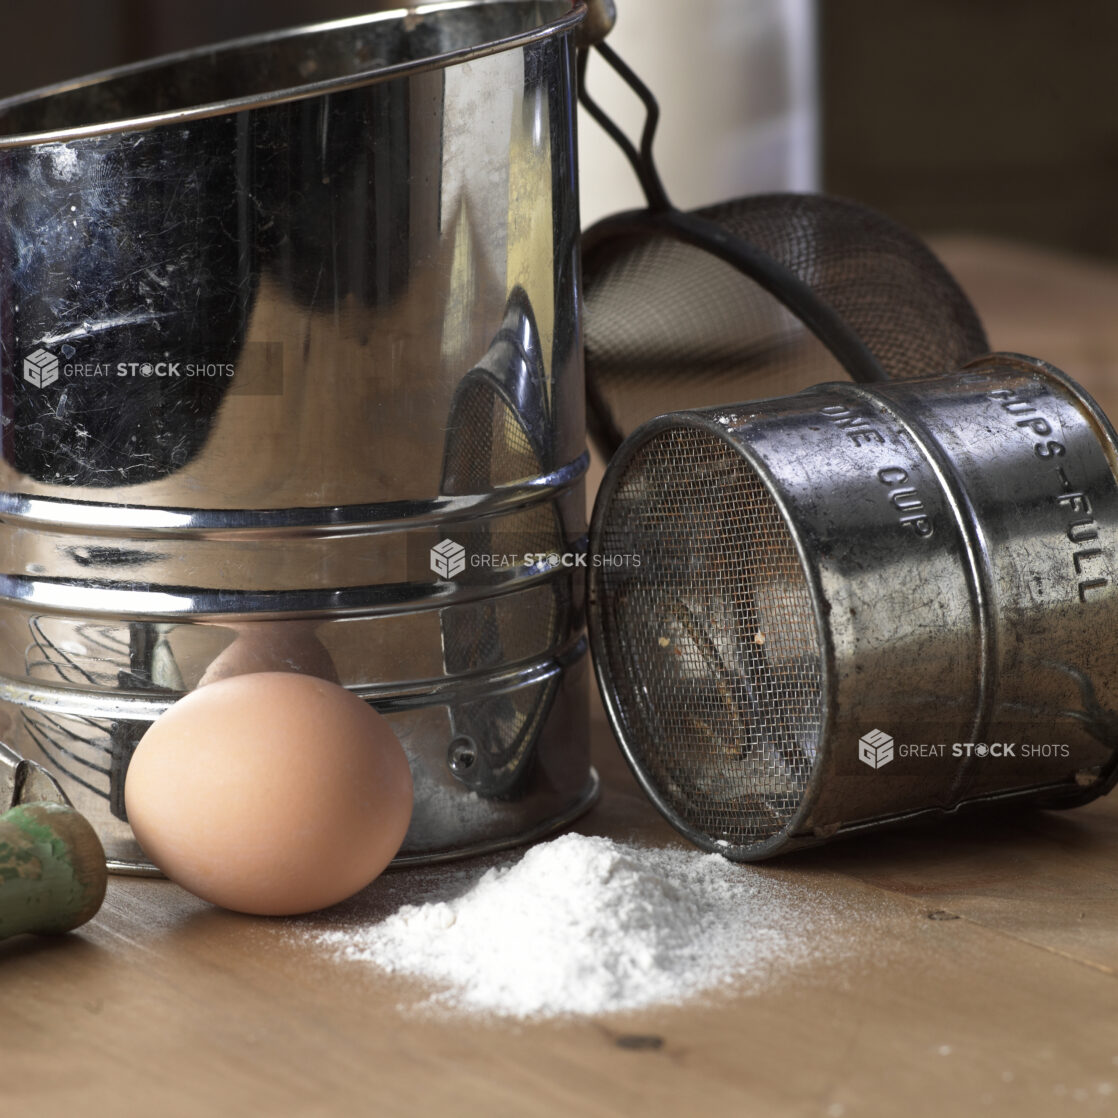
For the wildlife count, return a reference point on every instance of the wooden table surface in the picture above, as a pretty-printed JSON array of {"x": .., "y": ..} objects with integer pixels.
[{"x": 983, "y": 977}]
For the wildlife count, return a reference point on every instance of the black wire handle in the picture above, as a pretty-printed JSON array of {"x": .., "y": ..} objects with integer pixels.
[
  {"x": 663, "y": 219},
  {"x": 642, "y": 161}
]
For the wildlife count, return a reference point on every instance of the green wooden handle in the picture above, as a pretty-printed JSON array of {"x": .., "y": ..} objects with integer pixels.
[{"x": 52, "y": 870}]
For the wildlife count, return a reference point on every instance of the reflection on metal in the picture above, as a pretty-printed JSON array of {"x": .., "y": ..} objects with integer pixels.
[
  {"x": 840, "y": 590},
  {"x": 500, "y": 431},
  {"x": 378, "y": 252}
]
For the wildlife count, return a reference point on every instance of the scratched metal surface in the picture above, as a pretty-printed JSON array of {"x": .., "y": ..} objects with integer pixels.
[
  {"x": 956, "y": 537},
  {"x": 260, "y": 352}
]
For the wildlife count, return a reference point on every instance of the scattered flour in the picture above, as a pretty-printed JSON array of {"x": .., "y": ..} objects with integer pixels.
[{"x": 585, "y": 925}]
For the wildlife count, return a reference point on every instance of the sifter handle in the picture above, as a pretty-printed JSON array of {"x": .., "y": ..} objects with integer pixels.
[
  {"x": 601, "y": 15},
  {"x": 52, "y": 870}
]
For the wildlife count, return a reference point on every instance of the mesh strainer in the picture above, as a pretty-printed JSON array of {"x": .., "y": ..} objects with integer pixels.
[
  {"x": 754, "y": 297},
  {"x": 823, "y": 613}
]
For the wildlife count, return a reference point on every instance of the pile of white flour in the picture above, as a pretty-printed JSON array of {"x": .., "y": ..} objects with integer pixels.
[{"x": 586, "y": 925}]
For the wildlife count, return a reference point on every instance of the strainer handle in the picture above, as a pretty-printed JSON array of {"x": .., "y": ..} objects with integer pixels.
[{"x": 642, "y": 160}]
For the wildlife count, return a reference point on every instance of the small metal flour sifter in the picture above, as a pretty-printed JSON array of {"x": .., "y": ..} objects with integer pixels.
[
  {"x": 819, "y": 614},
  {"x": 290, "y": 358}
]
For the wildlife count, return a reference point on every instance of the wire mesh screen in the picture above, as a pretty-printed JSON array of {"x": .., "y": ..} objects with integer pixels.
[
  {"x": 487, "y": 444},
  {"x": 712, "y": 652},
  {"x": 670, "y": 325},
  {"x": 880, "y": 277}
]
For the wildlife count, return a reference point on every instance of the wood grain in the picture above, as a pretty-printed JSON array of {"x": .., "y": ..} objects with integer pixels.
[{"x": 977, "y": 976}]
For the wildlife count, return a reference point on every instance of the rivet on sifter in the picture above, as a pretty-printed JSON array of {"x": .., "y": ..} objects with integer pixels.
[{"x": 461, "y": 756}]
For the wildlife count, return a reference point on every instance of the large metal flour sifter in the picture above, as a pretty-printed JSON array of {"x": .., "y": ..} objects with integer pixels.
[{"x": 276, "y": 320}]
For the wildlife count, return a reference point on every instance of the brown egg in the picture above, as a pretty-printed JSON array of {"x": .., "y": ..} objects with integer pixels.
[{"x": 271, "y": 793}]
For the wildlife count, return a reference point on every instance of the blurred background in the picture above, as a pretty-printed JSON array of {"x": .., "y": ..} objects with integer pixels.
[
  {"x": 991, "y": 127},
  {"x": 948, "y": 115}
]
